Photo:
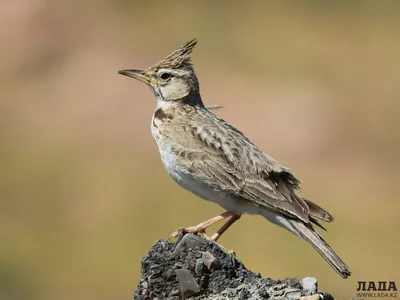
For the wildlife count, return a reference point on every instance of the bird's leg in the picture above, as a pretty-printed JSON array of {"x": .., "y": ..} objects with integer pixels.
[
  {"x": 224, "y": 227},
  {"x": 201, "y": 228}
]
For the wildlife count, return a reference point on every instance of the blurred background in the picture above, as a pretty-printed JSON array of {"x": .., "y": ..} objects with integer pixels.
[{"x": 83, "y": 192}]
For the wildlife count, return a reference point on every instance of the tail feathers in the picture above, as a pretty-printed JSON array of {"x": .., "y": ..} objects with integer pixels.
[
  {"x": 307, "y": 232},
  {"x": 315, "y": 221},
  {"x": 318, "y": 212}
]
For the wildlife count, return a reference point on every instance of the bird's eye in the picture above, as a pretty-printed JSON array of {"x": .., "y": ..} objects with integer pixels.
[{"x": 165, "y": 76}]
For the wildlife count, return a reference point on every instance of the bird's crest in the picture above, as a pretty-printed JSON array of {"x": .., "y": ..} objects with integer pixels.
[{"x": 179, "y": 59}]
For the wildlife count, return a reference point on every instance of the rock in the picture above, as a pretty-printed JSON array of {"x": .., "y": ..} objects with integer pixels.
[
  {"x": 187, "y": 243},
  {"x": 187, "y": 283},
  {"x": 200, "y": 267},
  {"x": 293, "y": 293},
  {"x": 197, "y": 268},
  {"x": 310, "y": 285},
  {"x": 210, "y": 261},
  {"x": 326, "y": 296},
  {"x": 313, "y": 297},
  {"x": 174, "y": 293}
]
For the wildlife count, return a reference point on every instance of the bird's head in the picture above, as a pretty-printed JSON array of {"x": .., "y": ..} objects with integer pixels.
[{"x": 173, "y": 78}]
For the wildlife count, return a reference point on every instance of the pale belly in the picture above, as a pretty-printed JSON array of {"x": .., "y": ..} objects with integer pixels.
[{"x": 182, "y": 175}]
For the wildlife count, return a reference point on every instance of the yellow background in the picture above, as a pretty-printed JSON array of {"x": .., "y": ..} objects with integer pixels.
[{"x": 83, "y": 193}]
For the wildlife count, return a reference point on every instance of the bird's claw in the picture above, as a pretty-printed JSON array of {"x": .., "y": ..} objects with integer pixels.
[
  {"x": 176, "y": 233},
  {"x": 182, "y": 230}
]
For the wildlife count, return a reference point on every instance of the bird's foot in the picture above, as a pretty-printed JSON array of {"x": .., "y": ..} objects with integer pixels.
[
  {"x": 193, "y": 229},
  {"x": 199, "y": 230}
]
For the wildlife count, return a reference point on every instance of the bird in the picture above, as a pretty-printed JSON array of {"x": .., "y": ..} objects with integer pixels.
[{"x": 216, "y": 162}]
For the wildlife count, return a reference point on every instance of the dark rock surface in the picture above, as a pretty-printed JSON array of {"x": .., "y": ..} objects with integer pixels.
[{"x": 196, "y": 268}]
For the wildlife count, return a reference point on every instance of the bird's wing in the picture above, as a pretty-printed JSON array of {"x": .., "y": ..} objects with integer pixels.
[{"x": 230, "y": 162}]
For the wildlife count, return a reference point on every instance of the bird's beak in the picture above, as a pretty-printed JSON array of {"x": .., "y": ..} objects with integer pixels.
[{"x": 137, "y": 74}]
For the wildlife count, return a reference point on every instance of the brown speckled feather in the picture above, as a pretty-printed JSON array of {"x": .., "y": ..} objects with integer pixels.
[
  {"x": 215, "y": 161},
  {"x": 233, "y": 164}
]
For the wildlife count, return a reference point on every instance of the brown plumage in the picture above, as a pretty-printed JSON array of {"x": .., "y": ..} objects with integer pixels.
[
  {"x": 178, "y": 59},
  {"x": 215, "y": 161}
]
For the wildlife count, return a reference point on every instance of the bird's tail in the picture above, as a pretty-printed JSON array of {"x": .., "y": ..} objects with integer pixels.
[{"x": 307, "y": 232}]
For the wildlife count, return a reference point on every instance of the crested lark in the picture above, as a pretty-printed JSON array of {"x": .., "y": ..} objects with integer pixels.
[{"x": 215, "y": 161}]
